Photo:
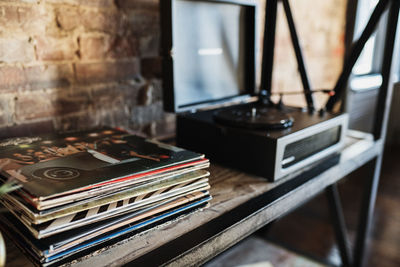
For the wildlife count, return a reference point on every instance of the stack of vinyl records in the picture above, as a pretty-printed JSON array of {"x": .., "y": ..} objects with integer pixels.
[{"x": 84, "y": 190}]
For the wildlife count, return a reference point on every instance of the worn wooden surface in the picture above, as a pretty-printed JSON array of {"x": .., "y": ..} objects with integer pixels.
[{"x": 229, "y": 189}]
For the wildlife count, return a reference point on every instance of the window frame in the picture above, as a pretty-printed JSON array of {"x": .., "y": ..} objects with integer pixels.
[{"x": 362, "y": 82}]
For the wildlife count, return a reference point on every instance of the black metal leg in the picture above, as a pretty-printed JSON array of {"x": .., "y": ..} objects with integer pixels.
[
  {"x": 339, "y": 225},
  {"x": 299, "y": 56},
  {"x": 383, "y": 106},
  {"x": 269, "y": 45},
  {"x": 355, "y": 53},
  {"x": 367, "y": 210},
  {"x": 384, "y": 97}
]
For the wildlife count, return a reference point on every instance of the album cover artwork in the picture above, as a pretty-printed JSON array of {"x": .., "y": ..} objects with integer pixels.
[
  {"x": 33, "y": 253},
  {"x": 42, "y": 215},
  {"x": 137, "y": 197},
  {"x": 94, "y": 215},
  {"x": 74, "y": 237},
  {"x": 48, "y": 251},
  {"x": 103, "y": 212},
  {"x": 46, "y": 206},
  {"x": 62, "y": 164},
  {"x": 50, "y": 204}
]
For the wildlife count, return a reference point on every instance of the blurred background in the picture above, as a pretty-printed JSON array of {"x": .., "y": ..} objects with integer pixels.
[
  {"x": 73, "y": 64},
  {"x": 76, "y": 64}
]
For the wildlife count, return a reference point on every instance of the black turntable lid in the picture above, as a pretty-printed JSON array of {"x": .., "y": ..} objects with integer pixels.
[{"x": 208, "y": 50}]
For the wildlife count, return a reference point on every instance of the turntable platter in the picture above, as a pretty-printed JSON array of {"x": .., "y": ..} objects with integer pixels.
[{"x": 254, "y": 117}]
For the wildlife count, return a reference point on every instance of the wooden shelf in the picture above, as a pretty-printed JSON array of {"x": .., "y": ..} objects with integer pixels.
[{"x": 241, "y": 205}]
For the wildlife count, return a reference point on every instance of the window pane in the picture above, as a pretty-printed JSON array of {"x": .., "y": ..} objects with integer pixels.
[{"x": 364, "y": 64}]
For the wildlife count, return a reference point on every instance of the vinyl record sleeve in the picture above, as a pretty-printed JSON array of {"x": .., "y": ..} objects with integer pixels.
[
  {"x": 126, "y": 220},
  {"x": 136, "y": 198},
  {"x": 48, "y": 253},
  {"x": 47, "y": 205},
  {"x": 58, "y": 202},
  {"x": 109, "y": 239},
  {"x": 34, "y": 217},
  {"x": 49, "y": 166},
  {"x": 106, "y": 211}
]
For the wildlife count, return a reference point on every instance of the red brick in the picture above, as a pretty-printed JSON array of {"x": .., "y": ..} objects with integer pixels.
[
  {"x": 138, "y": 4},
  {"x": 110, "y": 104},
  {"x": 149, "y": 93},
  {"x": 143, "y": 115},
  {"x": 123, "y": 47},
  {"x": 151, "y": 67},
  {"x": 149, "y": 46},
  {"x": 67, "y": 102},
  {"x": 49, "y": 48},
  {"x": 34, "y": 106},
  {"x": 162, "y": 128},
  {"x": 106, "y": 71},
  {"x": 9, "y": 17},
  {"x": 15, "y": 50},
  {"x": 165, "y": 128},
  {"x": 113, "y": 117},
  {"x": 28, "y": 129},
  {"x": 106, "y": 95},
  {"x": 94, "y": 47},
  {"x": 19, "y": 1},
  {"x": 142, "y": 22},
  {"x": 145, "y": 96},
  {"x": 25, "y": 18},
  {"x": 111, "y": 96},
  {"x": 96, "y": 3},
  {"x": 149, "y": 129},
  {"x": 95, "y": 20},
  {"x": 138, "y": 21},
  {"x": 49, "y": 76},
  {"x": 90, "y": 3},
  {"x": 11, "y": 77},
  {"x": 157, "y": 89},
  {"x": 82, "y": 120},
  {"x": 68, "y": 18},
  {"x": 105, "y": 46},
  {"x": 5, "y": 110},
  {"x": 39, "y": 105},
  {"x": 35, "y": 77},
  {"x": 35, "y": 18}
]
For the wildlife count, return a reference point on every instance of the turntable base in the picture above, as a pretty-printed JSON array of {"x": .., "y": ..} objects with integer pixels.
[{"x": 271, "y": 153}]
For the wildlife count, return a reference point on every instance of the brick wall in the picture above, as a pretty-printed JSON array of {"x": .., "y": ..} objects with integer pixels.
[
  {"x": 321, "y": 29},
  {"x": 75, "y": 64}
]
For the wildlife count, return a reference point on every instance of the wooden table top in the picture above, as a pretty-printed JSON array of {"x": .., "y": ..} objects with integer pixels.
[{"x": 241, "y": 204}]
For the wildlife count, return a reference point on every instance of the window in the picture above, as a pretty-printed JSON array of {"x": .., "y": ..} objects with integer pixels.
[
  {"x": 365, "y": 63},
  {"x": 396, "y": 66},
  {"x": 366, "y": 72}
]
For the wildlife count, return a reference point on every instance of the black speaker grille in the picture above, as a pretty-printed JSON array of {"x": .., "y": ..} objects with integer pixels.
[{"x": 299, "y": 150}]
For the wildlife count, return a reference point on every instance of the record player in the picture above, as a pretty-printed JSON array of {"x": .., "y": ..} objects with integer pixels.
[{"x": 209, "y": 73}]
